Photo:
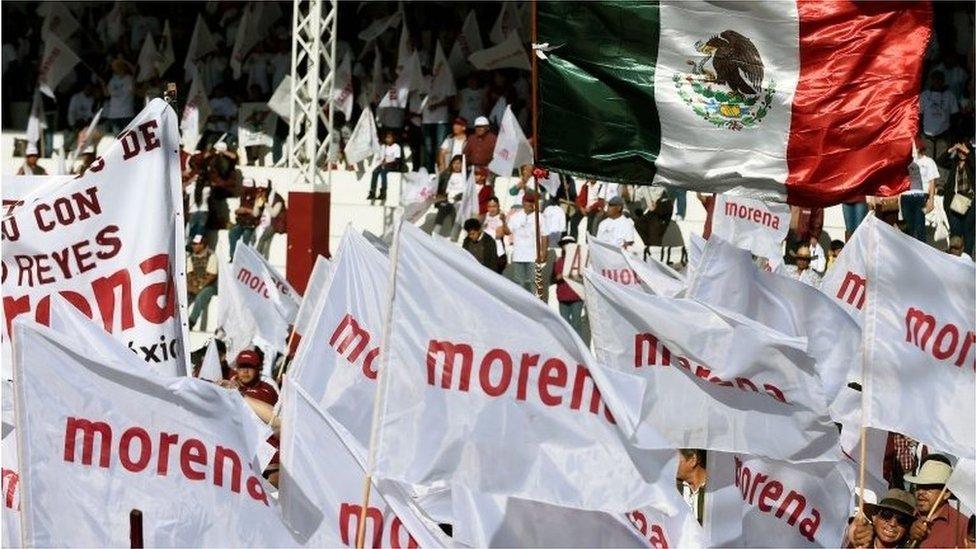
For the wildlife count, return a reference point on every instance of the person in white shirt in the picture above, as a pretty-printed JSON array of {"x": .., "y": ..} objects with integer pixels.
[
  {"x": 525, "y": 242},
  {"x": 223, "y": 111},
  {"x": 120, "y": 87},
  {"x": 470, "y": 100},
  {"x": 615, "y": 228},
  {"x": 918, "y": 200},
  {"x": 391, "y": 155},
  {"x": 81, "y": 108},
  {"x": 434, "y": 117},
  {"x": 802, "y": 270},
  {"x": 453, "y": 145},
  {"x": 938, "y": 104}
]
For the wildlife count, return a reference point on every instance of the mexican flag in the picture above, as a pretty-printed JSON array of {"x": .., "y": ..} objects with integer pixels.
[{"x": 814, "y": 102}]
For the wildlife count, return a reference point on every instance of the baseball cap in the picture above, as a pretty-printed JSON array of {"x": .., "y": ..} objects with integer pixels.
[
  {"x": 31, "y": 149},
  {"x": 248, "y": 359},
  {"x": 616, "y": 201},
  {"x": 197, "y": 239},
  {"x": 480, "y": 121}
]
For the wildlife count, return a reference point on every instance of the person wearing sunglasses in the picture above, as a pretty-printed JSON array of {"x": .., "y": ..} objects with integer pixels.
[{"x": 888, "y": 522}]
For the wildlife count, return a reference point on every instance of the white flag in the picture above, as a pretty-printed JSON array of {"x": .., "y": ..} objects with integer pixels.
[
  {"x": 166, "y": 57},
  {"x": 508, "y": 54},
  {"x": 201, "y": 43},
  {"x": 409, "y": 79},
  {"x": 441, "y": 78},
  {"x": 610, "y": 261},
  {"x": 486, "y": 387},
  {"x": 752, "y": 224},
  {"x": 754, "y": 502},
  {"x": 316, "y": 289},
  {"x": 58, "y": 60},
  {"x": 716, "y": 380},
  {"x": 364, "y": 142},
  {"x": 696, "y": 245},
  {"x": 376, "y": 87},
  {"x": 342, "y": 94},
  {"x": 506, "y": 24},
  {"x": 322, "y": 485},
  {"x": 962, "y": 483},
  {"x": 379, "y": 26},
  {"x": 727, "y": 277},
  {"x": 404, "y": 50},
  {"x": 418, "y": 187},
  {"x": 124, "y": 438},
  {"x": 845, "y": 281},
  {"x": 336, "y": 361},
  {"x": 10, "y": 512},
  {"x": 919, "y": 342},
  {"x": 512, "y": 149},
  {"x": 468, "y": 42},
  {"x": 148, "y": 60},
  {"x": 211, "y": 370},
  {"x": 656, "y": 277},
  {"x": 57, "y": 20},
  {"x": 256, "y": 302},
  {"x": 468, "y": 207},
  {"x": 36, "y": 120},
  {"x": 254, "y": 25},
  {"x": 196, "y": 110},
  {"x": 280, "y": 101},
  {"x": 125, "y": 242}
]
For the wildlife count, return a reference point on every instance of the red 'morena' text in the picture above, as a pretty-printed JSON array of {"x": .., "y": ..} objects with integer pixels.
[{"x": 748, "y": 483}]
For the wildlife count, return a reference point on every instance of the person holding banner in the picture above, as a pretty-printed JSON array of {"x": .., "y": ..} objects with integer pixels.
[
  {"x": 937, "y": 523},
  {"x": 887, "y": 521}
]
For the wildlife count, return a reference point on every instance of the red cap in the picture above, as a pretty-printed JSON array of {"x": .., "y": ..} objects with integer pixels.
[
  {"x": 530, "y": 196},
  {"x": 461, "y": 121},
  {"x": 248, "y": 359}
]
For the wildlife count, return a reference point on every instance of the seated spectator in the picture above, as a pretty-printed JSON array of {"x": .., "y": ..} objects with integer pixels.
[
  {"x": 450, "y": 187},
  {"x": 30, "y": 166},
  {"x": 273, "y": 221},
  {"x": 453, "y": 145},
  {"x": 248, "y": 214},
  {"x": 201, "y": 277},
  {"x": 479, "y": 244},
  {"x": 802, "y": 270},
  {"x": 616, "y": 229},
  {"x": 570, "y": 302},
  {"x": 887, "y": 523},
  {"x": 479, "y": 147},
  {"x": 391, "y": 158},
  {"x": 936, "y": 524}
]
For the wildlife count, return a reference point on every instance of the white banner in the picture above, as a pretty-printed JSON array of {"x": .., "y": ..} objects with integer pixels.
[
  {"x": 336, "y": 362},
  {"x": 112, "y": 248},
  {"x": 211, "y": 370},
  {"x": 101, "y": 439},
  {"x": 486, "y": 387},
  {"x": 57, "y": 20},
  {"x": 256, "y": 305},
  {"x": 201, "y": 43},
  {"x": 11, "y": 472},
  {"x": 512, "y": 149},
  {"x": 716, "y": 380},
  {"x": 920, "y": 360},
  {"x": 754, "y": 502},
  {"x": 846, "y": 282},
  {"x": 441, "y": 79},
  {"x": 508, "y": 54},
  {"x": 196, "y": 110},
  {"x": 752, "y": 224},
  {"x": 342, "y": 97},
  {"x": 254, "y": 25},
  {"x": 166, "y": 54},
  {"x": 379, "y": 26},
  {"x": 727, "y": 277},
  {"x": 624, "y": 268},
  {"x": 148, "y": 59},
  {"x": 468, "y": 42},
  {"x": 280, "y": 101},
  {"x": 363, "y": 143},
  {"x": 322, "y": 478},
  {"x": 962, "y": 483},
  {"x": 409, "y": 79},
  {"x": 256, "y": 124},
  {"x": 506, "y": 24},
  {"x": 316, "y": 289},
  {"x": 417, "y": 187},
  {"x": 58, "y": 60}
]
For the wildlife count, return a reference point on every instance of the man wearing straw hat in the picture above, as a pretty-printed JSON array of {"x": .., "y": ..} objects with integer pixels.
[{"x": 937, "y": 524}]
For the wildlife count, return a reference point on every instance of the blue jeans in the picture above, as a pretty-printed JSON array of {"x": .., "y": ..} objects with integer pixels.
[
  {"x": 200, "y": 302},
  {"x": 523, "y": 274},
  {"x": 964, "y": 226},
  {"x": 573, "y": 314},
  {"x": 378, "y": 173},
  {"x": 680, "y": 197},
  {"x": 434, "y": 135},
  {"x": 197, "y": 224},
  {"x": 240, "y": 233},
  {"x": 854, "y": 214},
  {"x": 913, "y": 211}
]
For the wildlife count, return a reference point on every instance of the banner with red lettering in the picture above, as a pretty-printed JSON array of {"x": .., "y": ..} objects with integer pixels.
[
  {"x": 727, "y": 277},
  {"x": 256, "y": 305},
  {"x": 336, "y": 361},
  {"x": 716, "y": 380},
  {"x": 754, "y": 502},
  {"x": 322, "y": 485},
  {"x": 11, "y": 472},
  {"x": 495, "y": 521},
  {"x": 845, "y": 281},
  {"x": 484, "y": 386},
  {"x": 98, "y": 440},
  {"x": 624, "y": 268},
  {"x": 111, "y": 242},
  {"x": 316, "y": 289},
  {"x": 752, "y": 224},
  {"x": 920, "y": 361}
]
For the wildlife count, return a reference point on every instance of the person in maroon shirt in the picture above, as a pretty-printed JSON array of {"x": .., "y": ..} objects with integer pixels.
[
  {"x": 947, "y": 526},
  {"x": 247, "y": 380},
  {"x": 570, "y": 302},
  {"x": 479, "y": 147}
]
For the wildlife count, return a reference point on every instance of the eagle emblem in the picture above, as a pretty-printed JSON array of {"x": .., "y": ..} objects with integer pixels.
[{"x": 725, "y": 85}]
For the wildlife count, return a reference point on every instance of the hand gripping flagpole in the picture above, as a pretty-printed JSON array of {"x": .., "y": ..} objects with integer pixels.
[{"x": 539, "y": 258}]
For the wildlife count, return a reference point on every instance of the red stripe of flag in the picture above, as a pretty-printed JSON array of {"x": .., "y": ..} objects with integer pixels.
[{"x": 855, "y": 110}]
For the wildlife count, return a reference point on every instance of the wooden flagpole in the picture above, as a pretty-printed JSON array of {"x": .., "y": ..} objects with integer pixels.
[
  {"x": 135, "y": 529},
  {"x": 539, "y": 258},
  {"x": 928, "y": 517}
]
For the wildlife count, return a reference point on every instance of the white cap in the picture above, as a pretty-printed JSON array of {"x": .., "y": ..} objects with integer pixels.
[
  {"x": 248, "y": 182},
  {"x": 197, "y": 238},
  {"x": 481, "y": 121},
  {"x": 220, "y": 146},
  {"x": 31, "y": 149}
]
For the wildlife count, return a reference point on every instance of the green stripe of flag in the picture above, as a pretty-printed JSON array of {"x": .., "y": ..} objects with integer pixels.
[{"x": 597, "y": 113}]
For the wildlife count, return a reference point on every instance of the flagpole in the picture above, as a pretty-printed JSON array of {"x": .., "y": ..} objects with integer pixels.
[{"x": 539, "y": 260}]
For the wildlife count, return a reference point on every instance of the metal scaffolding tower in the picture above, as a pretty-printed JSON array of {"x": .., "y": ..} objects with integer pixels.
[{"x": 313, "y": 51}]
